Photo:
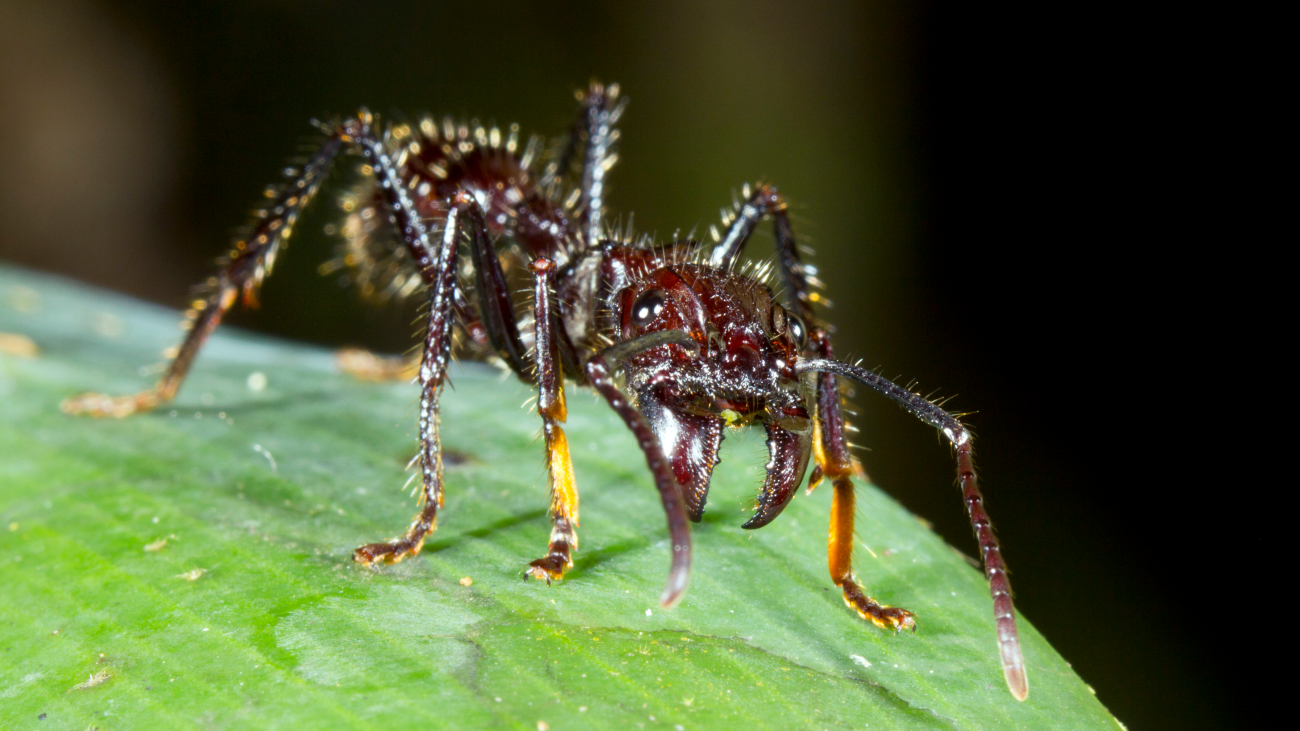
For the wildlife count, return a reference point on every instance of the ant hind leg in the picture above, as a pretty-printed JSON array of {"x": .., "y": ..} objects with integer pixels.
[{"x": 242, "y": 270}]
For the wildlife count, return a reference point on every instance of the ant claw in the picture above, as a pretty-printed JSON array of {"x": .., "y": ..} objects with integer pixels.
[{"x": 548, "y": 568}]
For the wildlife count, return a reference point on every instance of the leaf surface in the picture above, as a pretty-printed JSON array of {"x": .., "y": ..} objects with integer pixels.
[{"x": 105, "y": 524}]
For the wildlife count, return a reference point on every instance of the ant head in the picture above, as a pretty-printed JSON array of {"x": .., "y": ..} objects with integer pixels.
[{"x": 748, "y": 343}]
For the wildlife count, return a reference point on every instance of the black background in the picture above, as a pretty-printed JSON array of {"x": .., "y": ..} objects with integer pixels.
[{"x": 992, "y": 193}]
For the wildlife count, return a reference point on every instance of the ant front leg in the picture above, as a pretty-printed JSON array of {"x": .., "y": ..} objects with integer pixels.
[
  {"x": 551, "y": 407},
  {"x": 830, "y": 448},
  {"x": 833, "y": 460},
  {"x": 250, "y": 260},
  {"x": 995, "y": 568}
]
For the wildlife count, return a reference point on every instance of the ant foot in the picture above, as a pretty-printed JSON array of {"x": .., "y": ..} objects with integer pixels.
[
  {"x": 366, "y": 366},
  {"x": 404, "y": 547},
  {"x": 98, "y": 405},
  {"x": 552, "y": 566},
  {"x": 893, "y": 618},
  {"x": 881, "y": 615},
  {"x": 390, "y": 552}
]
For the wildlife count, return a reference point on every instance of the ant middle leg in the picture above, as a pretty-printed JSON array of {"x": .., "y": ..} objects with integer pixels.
[
  {"x": 440, "y": 276},
  {"x": 437, "y": 267}
]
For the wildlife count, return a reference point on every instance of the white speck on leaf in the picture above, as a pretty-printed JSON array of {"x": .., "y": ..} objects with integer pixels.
[{"x": 265, "y": 453}]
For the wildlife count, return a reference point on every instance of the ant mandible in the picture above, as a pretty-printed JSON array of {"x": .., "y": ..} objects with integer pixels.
[{"x": 699, "y": 344}]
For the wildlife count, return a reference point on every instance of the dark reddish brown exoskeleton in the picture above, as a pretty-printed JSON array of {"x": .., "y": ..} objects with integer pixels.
[{"x": 676, "y": 339}]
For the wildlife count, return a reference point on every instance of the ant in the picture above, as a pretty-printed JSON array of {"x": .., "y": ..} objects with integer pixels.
[{"x": 699, "y": 344}]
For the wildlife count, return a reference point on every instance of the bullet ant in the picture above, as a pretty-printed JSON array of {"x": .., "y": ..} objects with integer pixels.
[{"x": 698, "y": 344}]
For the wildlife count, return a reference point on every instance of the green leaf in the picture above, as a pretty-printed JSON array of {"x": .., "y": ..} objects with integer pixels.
[{"x": 268, "y": 491}]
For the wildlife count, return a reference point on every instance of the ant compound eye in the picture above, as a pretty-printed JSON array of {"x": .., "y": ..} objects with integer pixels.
[
  {"x": 798, "y": 330},
  {"x": 647, "y": 307}
]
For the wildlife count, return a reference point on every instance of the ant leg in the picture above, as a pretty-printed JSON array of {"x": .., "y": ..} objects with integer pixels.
[
  {"x": 831, "y": 452},
  {"x": 438, "y": 270},
  {"x": 599, "y": 111},
  {"x": 551, "y": 407},
  {"x": 495, "y": 306},
  {"x": 799, "y": 278},
  {"x": 1013, "y": 661},
  {"x": 833, "y": 461},
  {"x": 242, "y": 270},
  {"x": 840, "y": 560},
  {"x": 251, "y": 259},
  {"x": 599, "y": 372},
  {"x": 440, "y": 274},
  {"x": 437, "y": 267},
  {"x": 829, "y": 446}
]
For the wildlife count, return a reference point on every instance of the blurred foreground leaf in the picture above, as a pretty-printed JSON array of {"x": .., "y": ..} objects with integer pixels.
[{"x": 192, "y": 567}]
